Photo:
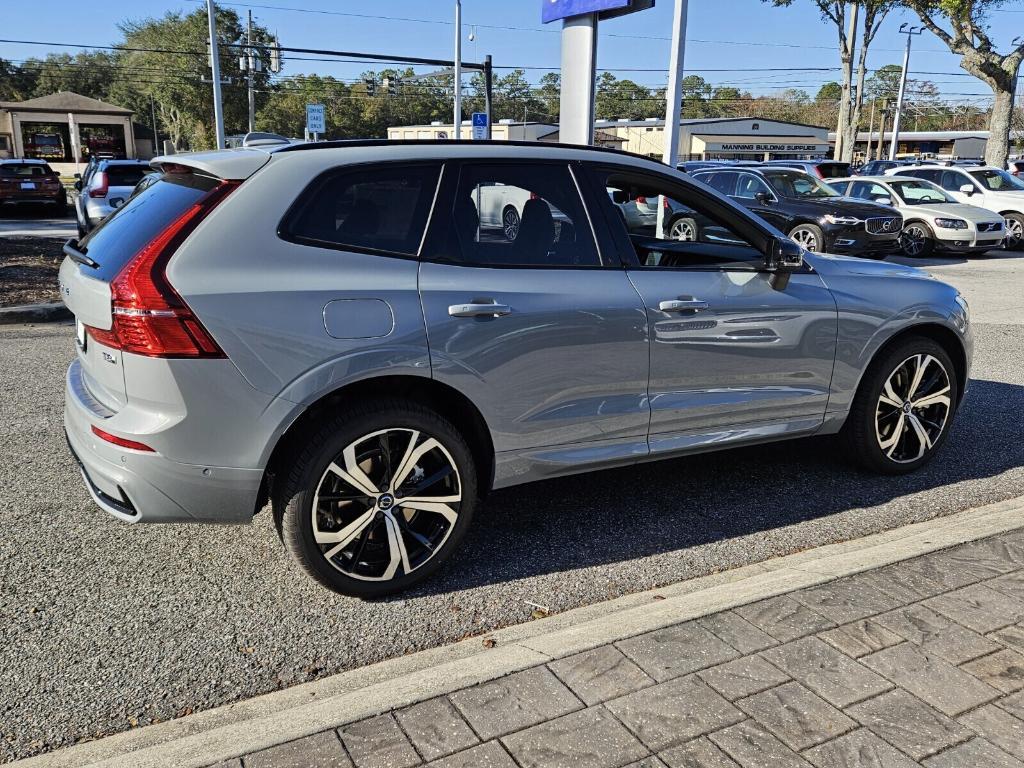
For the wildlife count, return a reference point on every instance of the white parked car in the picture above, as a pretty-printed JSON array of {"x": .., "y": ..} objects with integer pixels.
[
  {"x": 933, "y": 220},
  {"x": 993, "y": 188},
  {"x": 502, "y": 205}
]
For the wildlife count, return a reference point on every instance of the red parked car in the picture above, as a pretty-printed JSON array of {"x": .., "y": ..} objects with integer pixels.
[{"x": 31, "y": 182}]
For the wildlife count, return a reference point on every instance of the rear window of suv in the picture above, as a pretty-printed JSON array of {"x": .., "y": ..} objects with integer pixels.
[
  {"x": 382, "y": 209},
  {"x": 14, "y": 170},
  {"x": 126, "y": 231},
  {"x": 125, "y": 175}
]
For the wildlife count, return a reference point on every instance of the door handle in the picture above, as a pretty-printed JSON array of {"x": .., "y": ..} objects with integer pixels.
[
  {"x": 683, "y": 305},
  {"x": 479, "y": 309}
]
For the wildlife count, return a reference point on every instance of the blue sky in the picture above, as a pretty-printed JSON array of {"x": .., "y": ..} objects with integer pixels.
[{"x": 722, "y": 34}]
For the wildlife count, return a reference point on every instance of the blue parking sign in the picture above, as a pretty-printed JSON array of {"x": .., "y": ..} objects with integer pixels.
[{"x": 479, "y": 125}]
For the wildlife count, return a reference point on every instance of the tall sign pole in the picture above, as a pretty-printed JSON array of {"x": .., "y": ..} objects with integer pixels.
[
  {"x": 674, "y": 93},
  {"x": 250, "y": 64},
  {"x": 457, "y": 122},
  {"x": 218, "y": 106},
  {"x": 579, "y": 70},
  {"x": 909, "y": 31}
]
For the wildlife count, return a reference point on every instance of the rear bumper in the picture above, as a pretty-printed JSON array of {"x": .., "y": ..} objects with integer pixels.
[{"x": 137, "y": 486}]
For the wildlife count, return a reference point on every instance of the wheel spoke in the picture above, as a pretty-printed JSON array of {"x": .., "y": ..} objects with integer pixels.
[
  {"x": 431, "y": 481},
  {"x": 889, "y": 396},
  {"x": 889, "y": 444},
  {"x": 353, "y": 473},
  {"x": 935, "y": 398},
  {"x": 923, "y": 440},
  {"x": 923, "y": 361},
  {"x": 436, "y": 507},
  {"x": 412, "y": 456},
  {"x": 397, "y": 550},
  {"x": 345, "y": 536}
]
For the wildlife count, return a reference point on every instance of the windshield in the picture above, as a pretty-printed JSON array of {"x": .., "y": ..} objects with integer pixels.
[
  {"x": 920, "y": 192},
  {"x": 998, "y": 181},
  {"x": 799, "y": 185}
]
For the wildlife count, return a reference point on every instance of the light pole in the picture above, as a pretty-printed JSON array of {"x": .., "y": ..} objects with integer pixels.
[
  {"x": 457, "y": 133},
  {"x": 218, "y": 108},
  {"x": 909, "y": 31},
  {"x": 674, "y": 91}
]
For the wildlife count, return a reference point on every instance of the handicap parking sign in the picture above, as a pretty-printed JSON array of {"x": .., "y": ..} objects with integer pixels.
[{"x": 479, "y": 125}]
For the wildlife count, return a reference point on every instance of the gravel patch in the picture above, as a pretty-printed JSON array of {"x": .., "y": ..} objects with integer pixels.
[
  {"x": 28, "y": 270},
  {"x": 106, "y": 626}
]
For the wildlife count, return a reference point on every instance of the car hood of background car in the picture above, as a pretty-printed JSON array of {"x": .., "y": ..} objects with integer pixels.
[
  {"x": 845, "y": 206},
  {"x": 952, "y": 211}
]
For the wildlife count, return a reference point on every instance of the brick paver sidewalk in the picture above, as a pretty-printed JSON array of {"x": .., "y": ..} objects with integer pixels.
[{"x": 917, "y": 663}]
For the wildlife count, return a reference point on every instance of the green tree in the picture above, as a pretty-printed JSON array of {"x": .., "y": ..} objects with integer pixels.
[
  {"x": 625, "y": 99},
  {"x": 16, "y": 83},
  {"x": 963, "y": 25},
  {"x": 90, "y": 73},
  {"x": 550, "y": 95},
  {"x": 829, "y": 93},
  {"x": 696, "y": 92}
]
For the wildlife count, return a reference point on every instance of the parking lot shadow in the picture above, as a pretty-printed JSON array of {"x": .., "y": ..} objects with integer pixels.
[{"x": 677, "y": 504}]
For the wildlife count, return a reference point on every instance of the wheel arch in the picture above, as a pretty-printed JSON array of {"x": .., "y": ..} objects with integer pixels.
[
  {"x": 443, "y": 399},
  {"x": 942, "y": 335}
]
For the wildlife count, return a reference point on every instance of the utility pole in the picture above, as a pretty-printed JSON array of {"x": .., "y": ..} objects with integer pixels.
[
  {"x": 457, "y": 133},
  {"x": 218, "y": 106},
  {"x": 250, "y": 62},
  {"x": 909, "y": 31},
  {"x": 156, "y": 139}
]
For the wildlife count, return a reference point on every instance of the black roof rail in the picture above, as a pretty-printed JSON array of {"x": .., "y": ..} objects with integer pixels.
[{"x": 336, "y": 143}]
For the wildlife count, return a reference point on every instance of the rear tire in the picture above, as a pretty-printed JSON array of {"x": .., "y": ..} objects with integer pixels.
[
  {"x": 885, "y": 435},
  {"x": 344, "y": 519},
  {"x": 683, "y": 228}
]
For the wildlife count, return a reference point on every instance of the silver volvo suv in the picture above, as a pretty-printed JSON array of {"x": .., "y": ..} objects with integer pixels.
[{"x": 334, "y": 328}]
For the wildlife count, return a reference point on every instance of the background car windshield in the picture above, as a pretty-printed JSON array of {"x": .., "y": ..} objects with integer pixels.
[
  {"x": 998, "y": 181},
  {"x": 920, "y": 192},
  {"x": 799, "y": 185}
]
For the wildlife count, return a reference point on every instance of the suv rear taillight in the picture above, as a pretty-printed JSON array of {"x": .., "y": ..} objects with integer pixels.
[
  {"x": 100, "y": 186},
  {"x": 149, "y": 317}
]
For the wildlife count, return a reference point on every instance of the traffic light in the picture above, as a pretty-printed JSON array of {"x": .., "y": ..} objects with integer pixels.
[
  {"x": 390, "y": 85},
  {"x": 371, "y": 86}
]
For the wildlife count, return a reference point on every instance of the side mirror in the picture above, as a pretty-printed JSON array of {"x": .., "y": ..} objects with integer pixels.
[
  {"x": 78, "y": 184},
  {"x": 883, "y": 200},
  {"x": 78, "y": 175},
  {"x": 763, "y": 198},
  {"x": 967, "y": 189},
  {"x": 784, "y": 256}
]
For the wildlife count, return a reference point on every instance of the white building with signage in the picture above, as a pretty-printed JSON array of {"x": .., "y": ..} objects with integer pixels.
[{"x": 736, "y": 138}]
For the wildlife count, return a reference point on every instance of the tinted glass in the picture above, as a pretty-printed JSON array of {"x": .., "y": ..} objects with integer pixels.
[
  {"x": 834, "y": 170},
  {"x": 123, "y": 234},
  {"x": 749, "y": 186},
  {"x": 518, "y": 215},
  {"x": 692, "y": 237},
  {"x": 799, "y": 185},
  {"x": 953, "y": 180},
  {"x": 13, "y": 170},
  {"x": 724, "y": 181},
  {"x": 382, "y": 209},
  {"x": 125, "y": 175},
  {"x": 998, "y": 181}
]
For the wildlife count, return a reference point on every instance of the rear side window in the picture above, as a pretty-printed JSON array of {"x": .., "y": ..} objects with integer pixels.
[
  {"x": 382, "y": 208},
  {"x": 125, "y": 232},
  {"x": 125, "y": 175}
]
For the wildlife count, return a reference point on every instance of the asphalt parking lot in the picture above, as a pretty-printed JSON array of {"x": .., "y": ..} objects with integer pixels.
[{"x": 107, "y": 626}]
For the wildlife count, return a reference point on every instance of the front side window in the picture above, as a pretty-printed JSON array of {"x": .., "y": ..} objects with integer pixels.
[
  {"x": 998, "y": 181},
  {"x": 749, "y": 186},
  {"x": 692, "y": 235},
  {"x": 382, "y": 209},
  {"x": 953, "y": 180},
  {"x": 798, "y": 185},
  {"x": 525, "y": 215}
]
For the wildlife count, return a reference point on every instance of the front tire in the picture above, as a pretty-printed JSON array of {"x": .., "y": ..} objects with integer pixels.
[
  {"x": 1014, "y": 232},
  {"x": 901, "y": 414},
  {"x": 684, "y": 229},
  {"x": 377, "y": 499},
  {"x": 809, "y": 237},
  {"x": 510, "y": 222},
  {"x": 917, "y": 240}
]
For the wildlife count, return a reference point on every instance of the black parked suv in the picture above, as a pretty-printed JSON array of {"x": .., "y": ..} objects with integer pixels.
[{"x": 810, "y": 211}]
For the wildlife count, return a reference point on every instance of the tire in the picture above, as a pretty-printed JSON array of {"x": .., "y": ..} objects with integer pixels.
[
  {"x": 1014, "y": 232},
  {"x": 878, "y": 434},
  {"x": 510, "y": 222},
  {"x": 917, "y": 240},
  {"x": 809, "y": 236},
  {"x": 389, "y": 547},
  {"x": 683, "y": 228}
]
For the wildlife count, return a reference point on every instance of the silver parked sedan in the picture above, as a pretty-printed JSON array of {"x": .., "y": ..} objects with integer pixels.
[
  {"x": 933, "y": 220},
  {"x": 324, "y": 327}
]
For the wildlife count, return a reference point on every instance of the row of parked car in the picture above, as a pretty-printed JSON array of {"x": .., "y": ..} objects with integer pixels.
[{"x": 914, "y": 208}]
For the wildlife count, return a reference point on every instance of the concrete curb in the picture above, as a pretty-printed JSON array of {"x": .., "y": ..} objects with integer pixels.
[
  {"x": 34, "y": 313},
  {"x": 237, "y": 729}
]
